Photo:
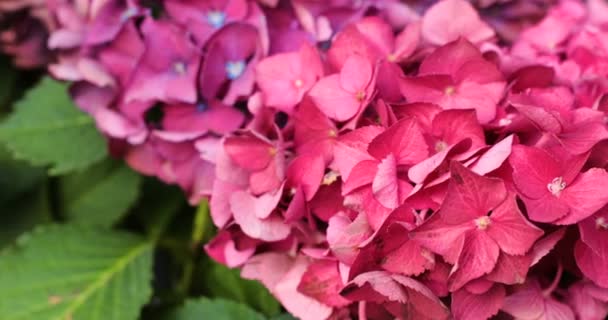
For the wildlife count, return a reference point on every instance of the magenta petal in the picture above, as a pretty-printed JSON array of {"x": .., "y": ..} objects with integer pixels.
[
  {"x": 223, "y": 249},
  {"x": 333, "y": 100},
  {"x": 356, "y": 74},
  {"x": 271, "y": 228},
  {"x": 351, "y": 149},
  {"x": 385, "y": 186},
  {"x": 470, "y": 196},
  {"x": 450, "y": 19},
  {"x": 587, "y": 194},
  {"x": 409, "y": 259},
  {"x": 404, "y": 140},
  {"x": 494, "y": 157},
  {"x": 441, "y": 238},
  {"x": 591, "y": 264},
  {"x": 533, "y": 169},
  {"x": 249, "y": 151},
  {"x": 261, "y": 206},
  {"x": 510, "y": 269},
  {"x": 594, "y": 232},
  {"x": 526, "y": 303},
  {"x": 543, "y": 246},
  {"x": 478, "y": 257},
  {"x": 469, "y": 306},
  {"x": 344, "y": 236},
  {"x": 511, "y": 231},
  {"x": 322, "y": 282}
]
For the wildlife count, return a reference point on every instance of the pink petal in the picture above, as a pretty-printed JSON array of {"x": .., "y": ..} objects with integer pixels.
[
  {"x": 296, "y": 303},
  {"x": 441, "y": 238},
  {"x": 351, "y": 148},
  {"x": 356, "y": 74},
  {"x": 546, "y": 244},
  {"x": 249, "y": 151},
  {"x": 333, "y": 100},
  {"x": 223, "y": 249},
  {"x": 587, "y": 194},
  {"x": 511, "y": 231},
  {"x": 592, "y": 265},
  {"x": 344, "y": 236},
  {"x": 450, "y": 19},
  {"x": 533, "y": 169},
  {"x": 322, "y": 282},
  {"x": 594, "y": 233},
  {"x": 510, "y": 269},
  {"x": 409, "y": 259},
  {"x": 306, "y": 171},
  {"x": 386, "y": 185},
  {"x": 493, "y": 157},
  {"x": 470, "y": 196},
  {"x": 404, "y": 140},
  {"x": 526, "y": 303},
  {"x": 271, "y": 228},
  {"x": 450, "y": 57},
  {"x": 478, "y": 257},
  {"x": 468, "y": 306}
]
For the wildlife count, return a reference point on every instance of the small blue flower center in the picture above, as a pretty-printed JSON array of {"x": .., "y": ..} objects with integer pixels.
[
  {"x": 201, "y": 106},
  {"x": 235, "y": 69},
  {"x": 216, "y": 19},
  {"x": 128, "y": 14}
]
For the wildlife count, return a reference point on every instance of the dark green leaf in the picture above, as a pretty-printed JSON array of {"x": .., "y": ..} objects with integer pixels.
[
  {"x": 217, "y": 309},
  {"x": 23, "y": 213},
  {"x": 223, "y": 282},
  {"x": 16, "y": 177},
  {"x": 75, "y": 272},
  {"x": 100, "y": 195},
  {"x": 47, "y": 129}
]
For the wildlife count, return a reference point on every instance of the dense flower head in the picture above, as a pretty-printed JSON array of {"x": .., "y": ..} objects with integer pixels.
[{"x": 369, "y": 159}]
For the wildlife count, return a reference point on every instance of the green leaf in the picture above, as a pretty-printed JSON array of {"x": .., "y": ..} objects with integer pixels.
[
  {"x": 217, "y": 309},
  {"x": 47, "y": 129},
  {"x": 23, "y": 213},
  {"x": 223, "y": 282},
  {"x": 158, "y": 205},
  {"x": 100, "y": 195},
  {"x": 75, "y": 272},
  {"x": 16, "y": 177}
]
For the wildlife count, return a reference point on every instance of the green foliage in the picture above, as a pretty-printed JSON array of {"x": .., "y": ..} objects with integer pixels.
[
  {"x": 217, "y": 309},
  {"x": 46, "y": 129},
  {"x": 23, "y": 213},
  {"x": 100, "y": 195},
  {"x": 223, "y": 282},
  {"x": 75, "y": 272}
]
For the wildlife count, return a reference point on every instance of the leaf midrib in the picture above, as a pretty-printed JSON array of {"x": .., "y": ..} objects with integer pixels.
[
  {"x": 104, "y": 278},
  {"x": 80, "y": 121}
]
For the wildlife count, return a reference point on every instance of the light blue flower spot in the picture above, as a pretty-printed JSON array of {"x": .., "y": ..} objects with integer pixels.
[
  {"x": 216, "y": 19},
  {"x": 234, "y": 69},
  {"x": 201, "y": 106},
  {"x": 128, "y": 14}
]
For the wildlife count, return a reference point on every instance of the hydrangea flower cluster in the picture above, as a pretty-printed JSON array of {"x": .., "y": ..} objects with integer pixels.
[
  {"x": 24, "y": 28},
  {"x": 369, "y": 159}
]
